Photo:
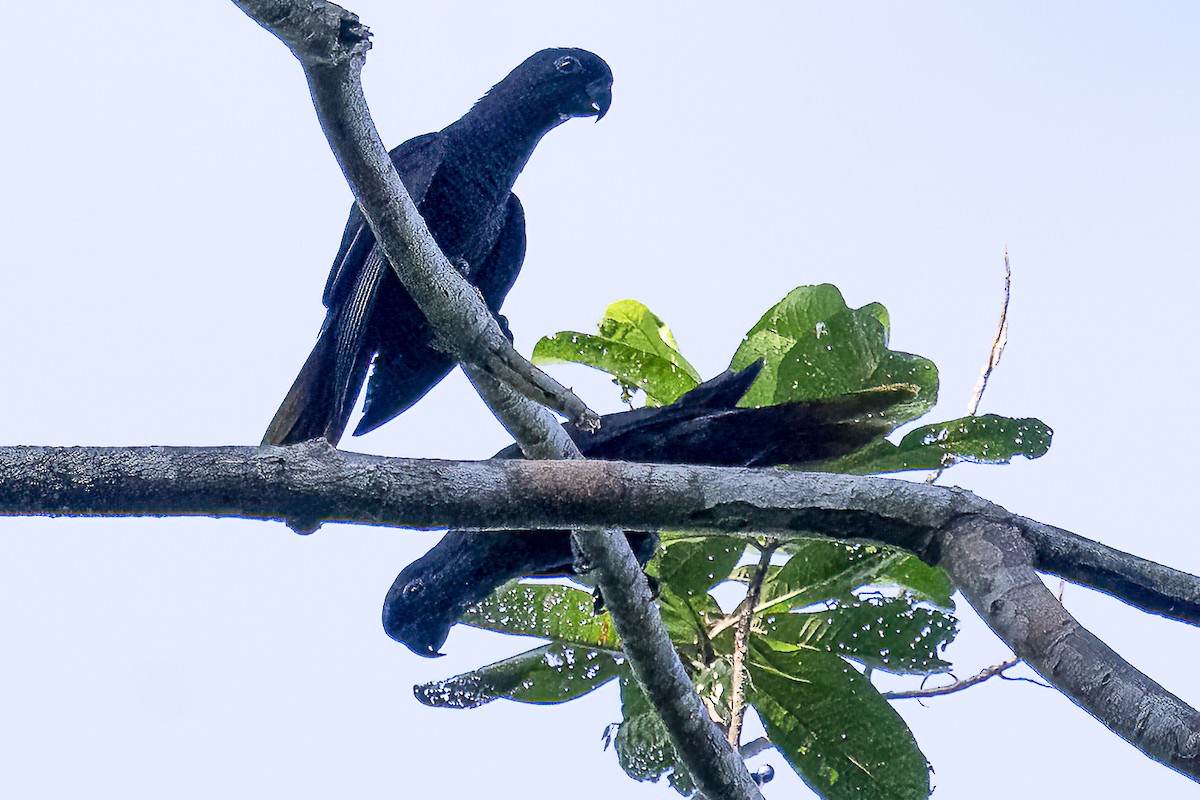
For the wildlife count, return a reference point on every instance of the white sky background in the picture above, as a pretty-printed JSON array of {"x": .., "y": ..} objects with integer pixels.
[{"x": 169, "y": 212}]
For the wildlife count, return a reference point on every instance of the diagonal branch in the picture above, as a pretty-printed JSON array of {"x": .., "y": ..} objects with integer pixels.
[
  {"x": 1142, "y": 583},
  {"x": 993, "y": 566},
  {"x": 461, "y": 321},
  {"x": 718, "y": 770}
]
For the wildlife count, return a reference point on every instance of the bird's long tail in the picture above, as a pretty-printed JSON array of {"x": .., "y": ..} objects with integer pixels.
[{"x": 320, "y": 401}]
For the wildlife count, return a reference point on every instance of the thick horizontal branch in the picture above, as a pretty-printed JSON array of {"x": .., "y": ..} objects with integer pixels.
[
  {"x": 989, "y": 552},
  {"x": 312, "y": 483}
]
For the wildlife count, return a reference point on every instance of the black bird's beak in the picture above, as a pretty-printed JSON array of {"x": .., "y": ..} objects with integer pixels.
[
  {"x": 600, "y": 92},
  {"x": 429, "y": 651}
]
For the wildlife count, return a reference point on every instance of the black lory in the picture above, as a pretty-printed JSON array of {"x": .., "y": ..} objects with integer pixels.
[
  {"x": 461, "y": 180},
  {"x": 704, "y": 426}
]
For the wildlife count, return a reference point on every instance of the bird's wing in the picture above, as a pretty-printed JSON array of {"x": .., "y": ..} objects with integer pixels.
[
  {"x": 497, "y": 274},
  {"x": 407, "y": 367},
  {"x": 322, "y": 396},
  {"x": 417, "y": 160}
]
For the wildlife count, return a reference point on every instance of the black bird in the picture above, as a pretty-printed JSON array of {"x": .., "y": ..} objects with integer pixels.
[
  {"x": 704, "y": 426},
  {"x": 461, "y": 180}
]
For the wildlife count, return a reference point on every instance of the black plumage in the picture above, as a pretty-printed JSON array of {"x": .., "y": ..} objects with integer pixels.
[
  {"x": 704, "y": 426},
  {"x": 461, "y": 180}
]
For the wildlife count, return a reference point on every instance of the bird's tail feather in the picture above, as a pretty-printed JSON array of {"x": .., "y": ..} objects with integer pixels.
[{"x": 318, "y": 404}]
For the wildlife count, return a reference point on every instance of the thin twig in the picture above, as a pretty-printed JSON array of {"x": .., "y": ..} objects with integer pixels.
[
  {"x": 741, "y": 642},
  {"x": 958, "y": 685},
  {"x": 994, "y": 354},
  {"x": 997, "y": 344}
]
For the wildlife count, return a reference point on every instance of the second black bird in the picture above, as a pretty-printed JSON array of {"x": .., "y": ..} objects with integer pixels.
[
  {"x": 461, "y": 180},
  {"x": 704, "y": 426}
]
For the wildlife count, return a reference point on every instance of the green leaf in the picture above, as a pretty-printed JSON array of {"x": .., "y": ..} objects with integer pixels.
[
  {"x": 986, "y": 439},
  {"x": 884, "y": 633},
  {"x": 802, "y": 315},
  {"x": 560, "y": 613},
  {"x": 644, "y": 748},
  {"x": 820, "y": 570},
  {"x": 907, "y": 370},
  {"x": 880, "y": 313},
  {"x": 814, "y": 347},
  {"x": 634, "y": 346},
  {"x": 834, "y": 728},
  {"x": 554, "y": 673},
  {"x": 687, "y": 620},
  {"x": 918, "y": 579},
  {"x": 693, "y": 565}
]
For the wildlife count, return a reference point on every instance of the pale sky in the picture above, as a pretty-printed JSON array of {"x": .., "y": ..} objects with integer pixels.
[{"x": 169, "y": 212}]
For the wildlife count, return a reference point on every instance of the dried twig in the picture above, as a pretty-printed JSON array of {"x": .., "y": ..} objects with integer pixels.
[
  {"x": 997, "y": 344},
  {"x": 997, "y": 350},
  {"x": 741, "y": 642},
  {"x": 957, "y": 686}
]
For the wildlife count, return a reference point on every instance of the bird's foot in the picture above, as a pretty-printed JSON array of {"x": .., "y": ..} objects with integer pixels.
[{"x": 598, "y": 598}]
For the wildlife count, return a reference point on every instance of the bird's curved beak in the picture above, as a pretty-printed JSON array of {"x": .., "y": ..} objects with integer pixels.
[{"x": 600, "y": 93}]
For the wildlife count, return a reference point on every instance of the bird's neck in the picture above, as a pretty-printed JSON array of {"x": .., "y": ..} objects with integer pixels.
[{"x": 510, "y": 130}]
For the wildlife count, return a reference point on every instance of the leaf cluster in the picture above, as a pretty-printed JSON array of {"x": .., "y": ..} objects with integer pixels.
[{"x": 827, "y": 613}]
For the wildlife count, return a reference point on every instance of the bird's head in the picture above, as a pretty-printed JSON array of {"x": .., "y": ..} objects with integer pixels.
[
  {"x": 412, "y": 616},
  {"x": 559, "y": 83}
]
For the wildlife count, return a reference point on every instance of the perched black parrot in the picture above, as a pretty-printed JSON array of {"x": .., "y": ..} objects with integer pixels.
[
  {"x": 704, "y": 426},
  {"x": 461, "y": 180}
]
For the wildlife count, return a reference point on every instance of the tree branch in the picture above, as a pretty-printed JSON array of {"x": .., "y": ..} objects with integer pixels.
[
  {"x": 316, "y": 483},
  {"x": 987, "y": 673},
  {"x": 1151, "y": 587},
  {"x": 993, "y": 566},
  {"x": 989, "y": 552}
]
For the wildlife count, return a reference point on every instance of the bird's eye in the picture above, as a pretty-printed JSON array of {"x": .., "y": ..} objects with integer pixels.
[
  {"x": 566, "y": 64},
  {"x": 414, "y": 588}
]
